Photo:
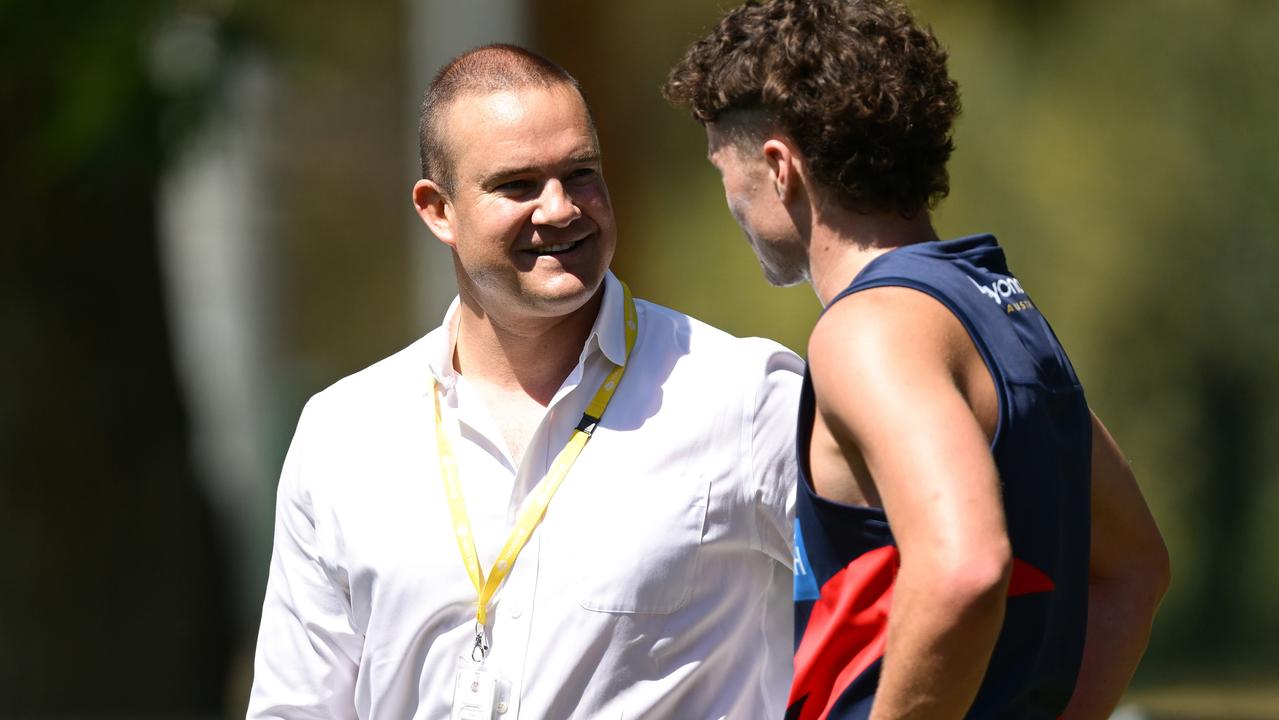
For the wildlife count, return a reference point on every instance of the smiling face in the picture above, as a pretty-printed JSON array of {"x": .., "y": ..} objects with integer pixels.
[
  {"x": 529, "y": 217},
  {"x": 753, "y": 197}
]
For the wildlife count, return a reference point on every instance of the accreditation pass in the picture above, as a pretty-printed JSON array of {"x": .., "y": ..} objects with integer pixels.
[{"x": 475, "y": 692}]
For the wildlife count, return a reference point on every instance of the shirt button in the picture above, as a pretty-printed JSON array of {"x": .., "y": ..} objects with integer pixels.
[
  {"x": 500, "y": 707},
  {"x": 514, "y": 610}
]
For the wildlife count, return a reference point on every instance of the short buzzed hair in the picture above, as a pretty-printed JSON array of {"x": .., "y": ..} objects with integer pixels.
[{"x": 486, "y": 69}]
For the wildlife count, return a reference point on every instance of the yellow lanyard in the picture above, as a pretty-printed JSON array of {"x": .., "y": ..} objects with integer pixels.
[{"x": 535, "y": 507}]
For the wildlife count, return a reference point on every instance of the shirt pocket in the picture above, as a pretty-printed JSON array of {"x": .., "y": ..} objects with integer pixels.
[{"x": 641, "y": 547}]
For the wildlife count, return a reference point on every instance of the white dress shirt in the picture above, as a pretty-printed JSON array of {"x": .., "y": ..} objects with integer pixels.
[{"x": 658, "y": 584}]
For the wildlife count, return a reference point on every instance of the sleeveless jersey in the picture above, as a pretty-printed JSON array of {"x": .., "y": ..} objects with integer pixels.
[{"x": 845, "y": 556}]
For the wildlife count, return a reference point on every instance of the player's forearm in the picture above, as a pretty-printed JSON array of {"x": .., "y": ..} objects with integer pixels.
[
  {"x": 942, "y": 630},
  {"x": 1120, "y": 615}
]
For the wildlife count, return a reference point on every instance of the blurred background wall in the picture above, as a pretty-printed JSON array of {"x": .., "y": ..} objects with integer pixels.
[{"x": 206, "y": 219}]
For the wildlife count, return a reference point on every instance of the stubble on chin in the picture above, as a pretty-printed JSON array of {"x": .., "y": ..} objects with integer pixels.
[{"x": 780, "y": 271}]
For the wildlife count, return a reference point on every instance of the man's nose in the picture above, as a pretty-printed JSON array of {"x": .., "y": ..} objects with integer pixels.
[{"x": 555, "y": 206}]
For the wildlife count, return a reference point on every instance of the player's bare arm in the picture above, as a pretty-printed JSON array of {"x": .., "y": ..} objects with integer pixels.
[
  {"x": 1128, "y": 575},
  {"x": 891, "y": 369}
]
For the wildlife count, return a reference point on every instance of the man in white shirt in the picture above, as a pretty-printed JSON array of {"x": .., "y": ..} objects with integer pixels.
[{"x": 657, "y": 582}]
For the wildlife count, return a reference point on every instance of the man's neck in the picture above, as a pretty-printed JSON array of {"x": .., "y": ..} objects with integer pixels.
[
  {"x": 844, "y": 241},
  {"x": 524, "y": 355}
]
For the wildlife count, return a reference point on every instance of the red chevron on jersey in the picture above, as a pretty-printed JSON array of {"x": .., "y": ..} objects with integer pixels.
[
  {"x": 1027, "y": 580},
  {"x": 848, "y": 627},
  {"x": 846, "y": 631}
]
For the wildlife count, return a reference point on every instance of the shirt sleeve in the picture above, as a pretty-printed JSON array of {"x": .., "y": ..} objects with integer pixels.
[
  {"x": 775, "y": 409},
  {"x": 308, "y": 650}
]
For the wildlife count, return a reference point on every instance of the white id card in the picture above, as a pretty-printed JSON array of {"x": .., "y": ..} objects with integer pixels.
[{"x": 475, "y": 694}]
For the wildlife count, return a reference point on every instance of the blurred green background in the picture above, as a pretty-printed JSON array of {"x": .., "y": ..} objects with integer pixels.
[{"x": 206, "y": 219}]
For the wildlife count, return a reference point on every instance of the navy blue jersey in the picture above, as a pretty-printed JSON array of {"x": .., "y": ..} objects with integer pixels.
[{"x": 845, "y": 556}]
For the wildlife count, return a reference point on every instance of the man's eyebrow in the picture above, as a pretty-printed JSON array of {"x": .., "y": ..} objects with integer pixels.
[
  {"x": 589, "y": 156},
  {"x": 586, "y": 156}
]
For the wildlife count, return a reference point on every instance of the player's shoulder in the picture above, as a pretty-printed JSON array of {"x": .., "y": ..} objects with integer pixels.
[
  {"x": 879, "y": 325},
  {"x": 879, "y": 313}
]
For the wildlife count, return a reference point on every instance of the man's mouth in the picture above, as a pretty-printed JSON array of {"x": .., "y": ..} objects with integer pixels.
[{"x": 559, "y": 249}]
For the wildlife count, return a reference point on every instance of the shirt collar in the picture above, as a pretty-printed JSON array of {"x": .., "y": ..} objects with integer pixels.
[
  {"x": 609, "y": 331},
  {"x": 608, "y": 334}
]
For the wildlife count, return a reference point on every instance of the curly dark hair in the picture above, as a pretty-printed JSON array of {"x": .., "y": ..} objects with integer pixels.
[{"x": 858, "y": 85}]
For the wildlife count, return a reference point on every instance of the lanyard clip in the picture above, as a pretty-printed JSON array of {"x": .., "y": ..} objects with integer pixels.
[{"x": 481, "y": 644}]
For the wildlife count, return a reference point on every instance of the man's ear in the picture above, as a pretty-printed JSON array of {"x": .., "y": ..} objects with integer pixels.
[
  {"x": 783, "y": 168},
  {"x": 435, "y": 209}
]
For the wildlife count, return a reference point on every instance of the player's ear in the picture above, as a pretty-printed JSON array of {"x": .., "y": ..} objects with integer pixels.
[
  {"x": 436, "y": 210},
  {"x": 782, "y": 168}
]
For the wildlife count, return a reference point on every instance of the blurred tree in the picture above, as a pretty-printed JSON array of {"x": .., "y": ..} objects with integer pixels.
[{"x": 112, "y": 594}]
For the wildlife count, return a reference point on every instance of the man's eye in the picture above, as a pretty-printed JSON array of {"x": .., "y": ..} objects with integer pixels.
[
  {"x": 515, "y": 187},
  {"x": 581, "y": 175}
]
